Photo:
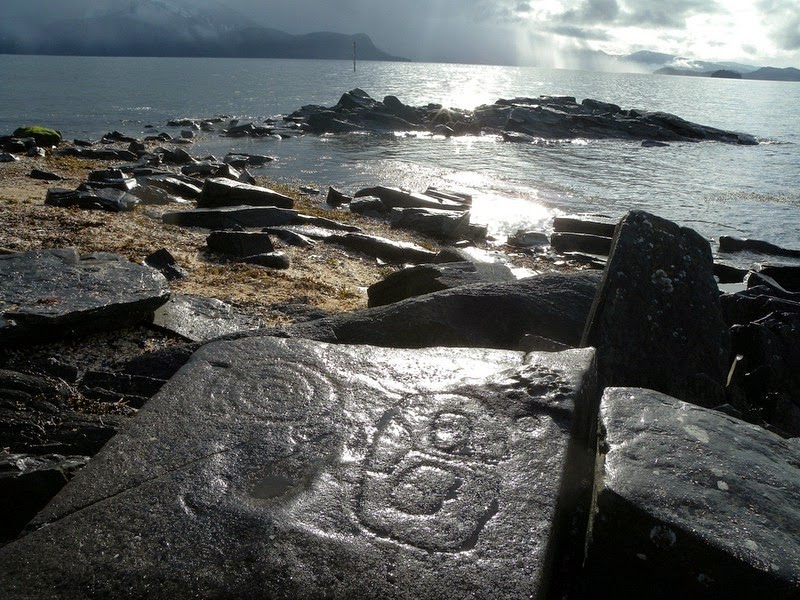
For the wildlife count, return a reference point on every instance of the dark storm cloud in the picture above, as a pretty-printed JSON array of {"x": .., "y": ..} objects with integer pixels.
[{"x": 783, "y": 20}]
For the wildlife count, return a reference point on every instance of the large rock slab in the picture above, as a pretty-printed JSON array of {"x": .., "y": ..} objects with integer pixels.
[
  {"x": 287, "y": 468},
  {"x": 656, "y": 320},
  {"x": 382, "y": 248},
  {"x": 693, "y": 504},
  {"x": 424, "y": 279},
  {"x": 484, "y": 315},
  {"x": 50, "y": 293},
  {"x": 220, "y": 191},
  {"x": 231, "y": 217}
]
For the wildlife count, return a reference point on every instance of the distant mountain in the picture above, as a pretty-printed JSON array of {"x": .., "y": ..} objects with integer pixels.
[
  {"x": 669, "y": 64},
  {"x": 165, "y": 28}
]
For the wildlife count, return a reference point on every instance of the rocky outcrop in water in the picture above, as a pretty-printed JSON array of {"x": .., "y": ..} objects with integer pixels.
[{"x": 521, "y": 119}]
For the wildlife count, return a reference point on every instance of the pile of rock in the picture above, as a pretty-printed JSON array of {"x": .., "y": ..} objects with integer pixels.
[
  {"x": 419, "y": 449},
  {"x": 517, "y": 120}
]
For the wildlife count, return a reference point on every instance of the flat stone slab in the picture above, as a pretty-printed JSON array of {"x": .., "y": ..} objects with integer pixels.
[
  {"x": 219, "y": 191},
  {"x": 694, "y": 503},
  {"x": 201, "y": 319},
  {"x": 287, "y": 468},
  {"x": 45, "y": 294},
  {"x": 231, "y": 217}
]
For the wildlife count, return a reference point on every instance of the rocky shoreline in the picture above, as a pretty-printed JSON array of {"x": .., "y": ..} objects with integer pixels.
[{"x": 622, "y": 412}]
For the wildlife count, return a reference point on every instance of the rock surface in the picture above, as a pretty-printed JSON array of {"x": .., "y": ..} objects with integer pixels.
[
  {"x": 483, "y": 315},
  {"x": 693, "y": 504},
  {"x": 220, "y": 191},
  {"x": 424, "y": 279},
  {"x": 200, "y": 319},
  {"x": 47, "y": 293},
  {"x": 522, "y": 119},
  {"x": 657, "y": 321},
  {"x": 413, "y": 479}
]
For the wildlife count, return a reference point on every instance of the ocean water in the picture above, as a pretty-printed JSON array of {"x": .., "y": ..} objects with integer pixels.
[{"x": 717, "y": 189}]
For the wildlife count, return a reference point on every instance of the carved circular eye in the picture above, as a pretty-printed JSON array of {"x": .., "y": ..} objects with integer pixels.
[
  {"x": 424, "y": 489},
  {"x": 451, "y": 432}
]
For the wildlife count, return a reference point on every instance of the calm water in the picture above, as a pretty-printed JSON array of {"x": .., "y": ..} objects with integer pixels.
[{"x": 714, "y": 188}]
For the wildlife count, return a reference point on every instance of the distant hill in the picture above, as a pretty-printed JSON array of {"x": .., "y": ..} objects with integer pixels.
[
  {"x": 164, "y": 28},
  {"x": 669, "y": 64}
]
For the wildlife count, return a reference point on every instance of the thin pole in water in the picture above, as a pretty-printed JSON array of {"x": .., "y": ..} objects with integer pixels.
[{"x": 354, "y": 56}]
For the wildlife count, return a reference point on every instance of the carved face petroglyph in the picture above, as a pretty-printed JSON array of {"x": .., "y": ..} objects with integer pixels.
[{"x": 429, "y": 478}]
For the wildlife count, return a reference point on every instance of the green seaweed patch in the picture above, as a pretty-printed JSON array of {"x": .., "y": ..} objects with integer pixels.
[{"x": 44, "y": 136}]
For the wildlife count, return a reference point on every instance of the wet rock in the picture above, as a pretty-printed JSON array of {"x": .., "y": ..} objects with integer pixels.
[
  {"x": 382, "y": 248},
  {"x": 693, "y": 504},
  {"x": 218, "y": 192},
  {"x": 659, "y": 305},
  {"x": 231, "y": 217},
  {"x": 175, "y": 156},
  {"x": 580, "y": 242},
  {"x": 6, "y": 157},
  {"x": 729, "y": 244},
  {"x": 308, "y": 475},
  {"x": 241, "y": 160},
  {"x": 239, "y": 243},
  {"x": 110, "y": 199},
  {"x": 600, "y": 225},
  {"x": 787, "y": 276},
  {"x": 163, "y": 262},
  {"x": 27, "y": 483},
  {"x": 397, "y": 198},
  {"x": 423, "y": 279},
  {"x": 484, "y": 315},
  {"x": 45, "y": 294},
  {"x": 439, "y": 224},
  {"x": 727, "y": 273}
]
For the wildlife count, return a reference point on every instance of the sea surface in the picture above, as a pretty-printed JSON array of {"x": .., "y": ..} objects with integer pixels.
[{"x": 717, "y": 189}]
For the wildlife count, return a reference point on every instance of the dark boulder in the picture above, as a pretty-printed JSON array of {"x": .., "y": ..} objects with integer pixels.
[
  {"x": 44, "y": 175},
  {"x": 286, "y": 468},
  {"x": 337, "y": 198},
  {"x": 482, "y": 315},
  {"x": 219, "y": 192},
  {"x": 110, "y": 199},
  {"x": 580, "y": 242},
  {"x": 382, "y": 248},
  {"x": 370, "y": 207},
  {"x": 98, "y": 153},
  {"x": 163, "y": 262},
  {"x": 657, "y": 321},
  {"x": 45, "y": 294},
  {"x": 183, "y": 187},
  {"x": 439, "y": 224},
  {"x": 732, "y": 244},
  {"x": 692, "y": 503},
  {"x": 787, "y": 276},
  {"x": 768, "y": 370},
  {"x": 239, "y": 243},
  {"x": 423, "y": 279},
  {"x": 273, "y": 260}
]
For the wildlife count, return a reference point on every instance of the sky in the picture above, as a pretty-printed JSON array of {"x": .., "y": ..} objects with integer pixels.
[{"x": 536, "y": 32}]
